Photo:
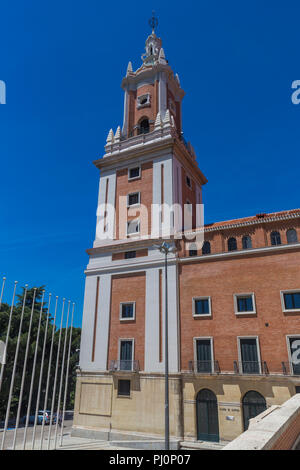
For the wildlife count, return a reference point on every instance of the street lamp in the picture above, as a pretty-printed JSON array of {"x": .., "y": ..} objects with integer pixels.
[{"x": 166, "y": 248}]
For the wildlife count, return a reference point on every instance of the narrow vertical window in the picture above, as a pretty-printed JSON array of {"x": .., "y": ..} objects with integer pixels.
[
  {"x": 232, "y": 245},
  {"x": 275, "y": 238},
  {"x": 291, "y": 236}
]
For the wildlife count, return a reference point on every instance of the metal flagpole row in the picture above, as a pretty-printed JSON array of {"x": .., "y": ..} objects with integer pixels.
[
  {"x": 8, "y": 332},
  {"x": 61, "y": 377},
  {"x": 55, "y": 377},
  {"x": 2, "y": 290},
  {"x": 33, "y": 370},
  {"x": 24, "y": 369},
  {"x": 41, "y": 375},
  {"x": 48, "y": 375},
  {"x": 2, "y": 361},
  {"x": 14, "y": 370},
  {"x": 67, "y": 377}
]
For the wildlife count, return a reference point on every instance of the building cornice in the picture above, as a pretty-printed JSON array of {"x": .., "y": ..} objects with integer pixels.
[
  {"x": 265, "y": 250},
  {"x": 247, "y": 223},
  {"x": 156, "y": 142}
]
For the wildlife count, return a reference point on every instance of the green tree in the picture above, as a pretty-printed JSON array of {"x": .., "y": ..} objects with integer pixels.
[{"x": 11, "y": 348}]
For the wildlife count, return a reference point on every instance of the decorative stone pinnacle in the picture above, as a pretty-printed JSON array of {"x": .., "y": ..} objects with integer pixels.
[
  {"x": 157, "y": 124},
  {"x": 129, "y": 68},
  {"x": 110, "y": 137},
  {"x": 167, "y": 119},
  {"x": 118, "y": 134}
]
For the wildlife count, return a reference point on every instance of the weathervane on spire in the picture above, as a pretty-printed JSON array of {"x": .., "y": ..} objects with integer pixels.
[{"x": 153, "y": 22}]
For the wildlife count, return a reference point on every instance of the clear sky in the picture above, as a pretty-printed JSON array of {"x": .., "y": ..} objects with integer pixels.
[{"x": 63, "y": 62}]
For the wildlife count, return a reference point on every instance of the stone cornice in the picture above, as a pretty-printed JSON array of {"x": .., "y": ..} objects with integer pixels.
[
  {"x": 247, "y": 223},
  {"x": 264, "y": 250},
  {"x": 152, "y": 145}
]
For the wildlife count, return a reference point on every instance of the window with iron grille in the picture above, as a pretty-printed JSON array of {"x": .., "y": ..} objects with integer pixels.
[{"x": 124, "y": 388}]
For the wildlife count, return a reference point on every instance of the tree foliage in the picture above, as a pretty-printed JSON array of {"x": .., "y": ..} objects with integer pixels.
[{"x": 39, "y": 314}]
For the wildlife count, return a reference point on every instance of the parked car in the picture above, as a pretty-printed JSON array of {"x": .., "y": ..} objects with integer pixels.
[{"x": 39, "y": 420}]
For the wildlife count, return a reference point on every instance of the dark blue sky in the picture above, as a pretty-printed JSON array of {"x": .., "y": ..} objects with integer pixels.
[{"x": 63, "y": 62}]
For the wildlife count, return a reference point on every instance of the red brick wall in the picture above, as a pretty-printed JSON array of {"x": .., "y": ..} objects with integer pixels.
[
  {"x": 264, "y": 275},
  {"x": 143, "y": 185},
  {"x": 288, "y": 437},
  {"x": 260, "y": 234},
  {"x": 120, "y": 256},
  {"x": 135, "y": 114},
  {"x": 128, "y": 288}
]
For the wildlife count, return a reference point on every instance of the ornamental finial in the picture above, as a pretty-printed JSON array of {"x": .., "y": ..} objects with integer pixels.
[{"x": 153, "y": 22}]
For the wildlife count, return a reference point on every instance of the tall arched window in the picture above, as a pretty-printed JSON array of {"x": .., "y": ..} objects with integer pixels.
[
  {"x": 275, "y": 238},
  {"x": 207, "y": 416},
  {"x": 291, "y": 236},
  {"x": 206, "y": 248},
  {"x": 247, "y": 242},
  {"x": 144, "y": 126},
  {"x": 253, "y": 404},
  {"x": 232, "y": 245}
]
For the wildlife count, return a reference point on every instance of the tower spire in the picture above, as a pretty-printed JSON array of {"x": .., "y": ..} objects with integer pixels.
[{"x": 153, "y": 22}]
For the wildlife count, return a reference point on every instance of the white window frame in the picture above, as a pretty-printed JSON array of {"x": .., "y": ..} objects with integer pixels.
[
  {"x": 134, "y": 177},
  {"x": 290, "y": 352},
  {"x": 126, "y": 303},
  {"x": 240, "y": 353},
  {"x": 139, "y": 199},
  {"x": 291, "y": 291},
  {"x": 119, "y": 349},
  {"x": 203, "y": 315},
  {"x": 211, "y": 349},
  {"x": 244, "y": 294},
  {"x": 139, "y": 105},
  {"x": 134, "y": 233}
]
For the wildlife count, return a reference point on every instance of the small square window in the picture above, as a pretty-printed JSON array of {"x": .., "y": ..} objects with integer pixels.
[
  {"x": 244, "y": 303},
  {"x": 297, "y": 387},
  {"x": 127, "y": 311},
  {"x": 134, "y": 173},
  {"x": 130, "y": 254},
  {"x": 143, "y": 101},
  {"x": 188, "y": 181},
  {"x": 133, "y": 199},
  {"x": 124, "y": 388},
  {"x": 193, "y": 252},
  {"x": 201, "y": 306},
  {"x": 291, "y": 300},
  {"x": 133, "y": 227}
]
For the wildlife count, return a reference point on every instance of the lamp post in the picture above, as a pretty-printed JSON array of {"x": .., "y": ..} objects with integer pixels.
[{"x": 166, "y": 248}]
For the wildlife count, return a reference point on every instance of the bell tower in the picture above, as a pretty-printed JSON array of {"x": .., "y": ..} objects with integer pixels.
[
  {"x": 147, "y": 170},
  {"x": 150, "y": 91}
]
